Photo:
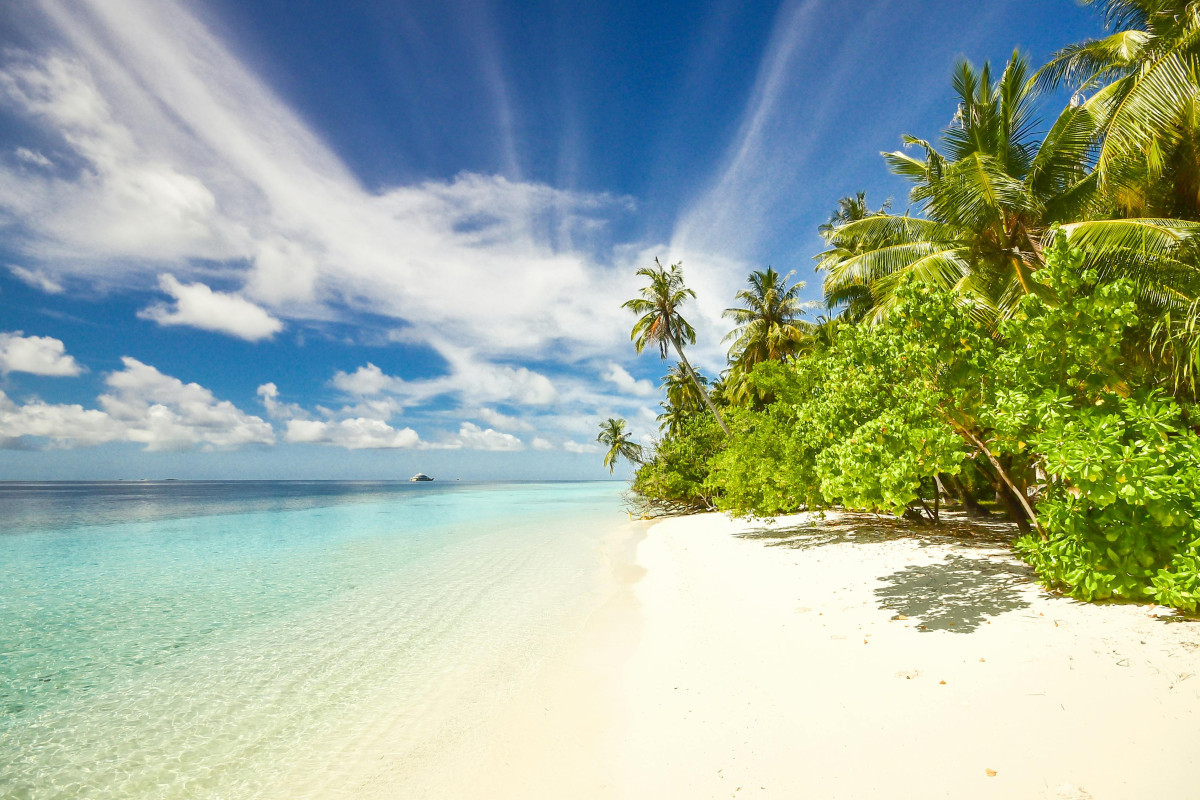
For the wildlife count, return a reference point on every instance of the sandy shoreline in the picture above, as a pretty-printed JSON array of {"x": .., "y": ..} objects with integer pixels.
[
  {"x": 735, "y": 659},
  {"x": 788, "y": 661}
]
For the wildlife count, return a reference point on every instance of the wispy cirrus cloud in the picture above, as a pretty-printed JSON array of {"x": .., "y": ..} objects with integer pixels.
[
  {"x": 181, "y": 170},
  {"x": 189, "y": 157}
]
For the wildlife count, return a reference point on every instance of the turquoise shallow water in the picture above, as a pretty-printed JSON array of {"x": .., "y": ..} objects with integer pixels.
[{"x": 207, "y": 639}]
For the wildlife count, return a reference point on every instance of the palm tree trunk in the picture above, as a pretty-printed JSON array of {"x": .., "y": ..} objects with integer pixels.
[{"x": 700, "y": 387}]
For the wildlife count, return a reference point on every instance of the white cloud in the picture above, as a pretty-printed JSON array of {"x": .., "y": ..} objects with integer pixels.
[
  {"x": 198, "y": 306},
  {"x": 502, "y": 421},
  {"x": 618, "y": 376},
  {"x": 36, "y": 278},
  {"x": 354, "y": 434},
  {"x": 164, "y": 413},
  {"x": 141, "y": 405},
  {"x": 38, "y": 355},
  {"x": 268, "y": 395},
  {"x": 539, "y": 443},
  {"x": 65, "y": 425},
  {"x": 582, "y": 447},
  {"x": 364, "y": 381},
  {"x": 32, "y": 157},
  {"x": 472, "y": 437},
  {"x": 470, "y": 379},
  {"x": 192, "y": 162},
  {"x": 383, "y": 408},
  {"x": 190, "y": 165}
]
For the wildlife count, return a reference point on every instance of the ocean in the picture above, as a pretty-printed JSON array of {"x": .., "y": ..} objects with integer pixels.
[{"x": 243, "y": 639}]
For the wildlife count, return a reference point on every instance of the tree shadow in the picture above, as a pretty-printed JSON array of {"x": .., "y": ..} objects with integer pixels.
[
  {"x": 956, "y": 594},
  {"x": 857, "y": 528}
]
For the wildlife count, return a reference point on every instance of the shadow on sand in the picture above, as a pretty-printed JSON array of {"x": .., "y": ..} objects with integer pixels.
[{"x": 977, "y": 581}]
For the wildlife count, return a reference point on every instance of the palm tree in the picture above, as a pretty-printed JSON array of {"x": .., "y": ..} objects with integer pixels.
[
  {"x": 614, "y": 436},
  {"x": 1144, "y": 79},
  {"x": 769, "y": 327},
  {"x": 990, "y": 204},
  {"x": 852, "y": 209},
  {"x": 853, "y": 298},
  {"x": 660, "y": 323},
  {"x": 683, "y": 401}
]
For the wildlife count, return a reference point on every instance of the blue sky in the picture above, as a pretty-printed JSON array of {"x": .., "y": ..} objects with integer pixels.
[{"x": 300, "y": 239}]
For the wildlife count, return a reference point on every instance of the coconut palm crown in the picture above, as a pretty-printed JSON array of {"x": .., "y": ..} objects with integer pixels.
[
  {"x": 769, "y": 327},
  {"x": 990, "y": 203},
  {"x": 614, "y": 436},
  {"x": 1143, "y": 80}
]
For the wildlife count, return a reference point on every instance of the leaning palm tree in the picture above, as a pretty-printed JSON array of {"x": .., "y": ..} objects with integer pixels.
[
  {"x": 660, "y": 323},
  {"x": 614, "y": 436},
  {"x": 989, "y": 204},
  {"x": 769, "y": 327}
]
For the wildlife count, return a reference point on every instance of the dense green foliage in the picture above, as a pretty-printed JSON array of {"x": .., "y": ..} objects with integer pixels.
[
  {"x": 676, "y": 478},
  {"x": 1031, "y": 334}
]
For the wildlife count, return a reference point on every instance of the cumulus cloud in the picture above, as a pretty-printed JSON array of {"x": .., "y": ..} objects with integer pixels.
[
  {"x": 357, "y": 433},
  {"x": 472, "y": 437},
  {"x": 64, "y": 425},
  {"x": 470, "y": 379},
  {"x": 365, "y": 381},
  {"x": 198, "y": 306},
  {"x": 140, "y": 405},
  {"x": 539, "y": 443},
  {"x": 192, "y": 158},
  {"x": 164, "y": 413},
  {"x": 36, "y": 278},
  {"x": 582, "y": 447},
  {"x": 38, "y": 355},
  {"x": 620, "y": 377},
  {"x": 268, "y": 395},
  {"x": 192, "y": 173},
  {"x": 502, "y": 421}
]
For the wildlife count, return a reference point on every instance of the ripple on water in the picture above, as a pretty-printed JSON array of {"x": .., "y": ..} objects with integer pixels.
[{"x": 206, "y": 656}]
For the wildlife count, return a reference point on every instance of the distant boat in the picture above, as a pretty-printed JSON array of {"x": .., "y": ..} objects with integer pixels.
[{"x": 420, "y": 476}]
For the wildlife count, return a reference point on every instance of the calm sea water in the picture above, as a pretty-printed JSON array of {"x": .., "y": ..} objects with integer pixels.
[{"x": 216, "y": 639}]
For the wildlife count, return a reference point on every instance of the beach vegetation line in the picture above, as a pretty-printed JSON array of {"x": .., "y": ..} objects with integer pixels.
[{"x": 1027, "y": 332}]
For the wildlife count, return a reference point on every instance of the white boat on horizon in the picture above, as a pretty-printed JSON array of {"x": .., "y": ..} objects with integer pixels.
[{"x": 420, "y": 476}]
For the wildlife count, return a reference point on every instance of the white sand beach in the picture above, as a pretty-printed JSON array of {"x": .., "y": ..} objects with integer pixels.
[{"x": 739, "y": 659}]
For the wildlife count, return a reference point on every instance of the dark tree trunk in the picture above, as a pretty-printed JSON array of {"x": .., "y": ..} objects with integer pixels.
[{"x": 700, "y": 387}]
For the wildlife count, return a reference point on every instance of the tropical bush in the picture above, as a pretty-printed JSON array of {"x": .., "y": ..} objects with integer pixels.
[{"x": 674, "y": 479}]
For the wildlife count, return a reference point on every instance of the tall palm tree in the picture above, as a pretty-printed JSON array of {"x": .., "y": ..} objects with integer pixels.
[
  {"x": 990, "y": 202},
  {"x": 769, "y": 327},
  {"x": 660, "y": 323},
  {"x": 614, "y": 436}
]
